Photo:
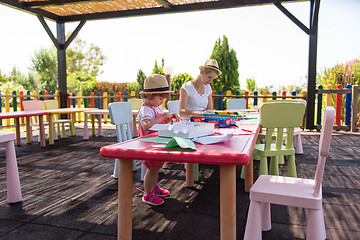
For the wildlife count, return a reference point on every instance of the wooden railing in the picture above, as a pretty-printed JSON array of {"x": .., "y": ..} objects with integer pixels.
[{"x": 346, "y": 99}]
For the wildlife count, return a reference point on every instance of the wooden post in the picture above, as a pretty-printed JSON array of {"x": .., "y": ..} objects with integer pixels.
[{"x": 354, "y": 106}]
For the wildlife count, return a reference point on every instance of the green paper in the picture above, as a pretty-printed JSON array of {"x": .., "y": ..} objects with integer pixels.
[
  {"x": 156, "y": 139},
  {"x": 181, "y": 142}
]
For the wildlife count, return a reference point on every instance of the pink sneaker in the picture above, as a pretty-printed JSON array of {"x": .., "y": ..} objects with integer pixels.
[
  {"x": 161, "y": 192},
  {"x": 152, "y": 199}
]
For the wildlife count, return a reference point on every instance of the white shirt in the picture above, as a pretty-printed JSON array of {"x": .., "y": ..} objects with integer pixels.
[{"x": 196, "y": 102}]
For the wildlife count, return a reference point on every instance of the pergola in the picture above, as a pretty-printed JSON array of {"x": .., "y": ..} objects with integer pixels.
[{"x": 63, "y": 11}]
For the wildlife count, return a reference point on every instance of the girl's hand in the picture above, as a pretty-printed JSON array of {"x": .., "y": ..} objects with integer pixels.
[{"x": 176, "y": 117}]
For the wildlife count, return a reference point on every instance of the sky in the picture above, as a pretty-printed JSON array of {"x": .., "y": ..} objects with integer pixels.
[{"x": 270, "y": 48}]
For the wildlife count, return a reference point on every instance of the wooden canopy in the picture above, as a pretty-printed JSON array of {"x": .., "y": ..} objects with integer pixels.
[{"x": 63, "y": 11}]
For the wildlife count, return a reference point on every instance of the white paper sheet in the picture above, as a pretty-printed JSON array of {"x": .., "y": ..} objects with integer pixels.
[{"x": 213, "y": 139}]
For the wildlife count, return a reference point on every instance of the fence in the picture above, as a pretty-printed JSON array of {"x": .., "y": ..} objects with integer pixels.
[{"x": 346, "y": 102}]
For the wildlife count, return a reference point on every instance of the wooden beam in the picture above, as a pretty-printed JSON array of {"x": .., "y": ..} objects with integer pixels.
[
  {"x": 40, "y": 4},
  {"x": 292, "y": 18}
]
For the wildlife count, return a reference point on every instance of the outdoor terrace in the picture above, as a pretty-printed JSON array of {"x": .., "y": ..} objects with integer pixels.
[{"x": 68, "y": 193}]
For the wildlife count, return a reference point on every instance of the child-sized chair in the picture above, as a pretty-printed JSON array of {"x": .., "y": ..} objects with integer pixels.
[
  {"x": 239, "y": 103},
  {"x": 121, "y": 116},
  {"x": 53, "y": 104},
  {"x": 35, "y": 105},
  {"x": 297, "y": 192},
  {"x": 276, "y": 116},
  {"x": 173, "y": 106}
]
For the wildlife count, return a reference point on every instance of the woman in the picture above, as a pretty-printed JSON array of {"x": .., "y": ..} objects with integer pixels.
[{"x": 196, "y": 95}]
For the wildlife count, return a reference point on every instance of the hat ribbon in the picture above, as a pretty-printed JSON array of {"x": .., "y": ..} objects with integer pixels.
[{"x": 157, "y": 89}]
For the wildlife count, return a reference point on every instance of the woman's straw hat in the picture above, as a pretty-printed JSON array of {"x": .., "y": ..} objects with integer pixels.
[
  {"x": 156, "y": 83},
  {"x": 212, "y": 64}
]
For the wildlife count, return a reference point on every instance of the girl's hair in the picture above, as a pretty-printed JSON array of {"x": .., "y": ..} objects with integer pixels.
[{"x": 151, "y": 96}]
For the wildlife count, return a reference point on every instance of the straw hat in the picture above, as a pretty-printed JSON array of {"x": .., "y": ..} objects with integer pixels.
[
  {"x": 156, "y": 83},
  {"x": 212, "y": 64}
]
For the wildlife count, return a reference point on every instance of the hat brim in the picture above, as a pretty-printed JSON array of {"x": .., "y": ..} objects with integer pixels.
[
  {"x": 142, "y": 92},
  {"x": 215, "y": 69}
]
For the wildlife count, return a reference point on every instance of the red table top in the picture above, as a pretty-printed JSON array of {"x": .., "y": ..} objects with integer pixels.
[
  {"x": 5, "y": 115},
  {"x": 236, "y": 151}
]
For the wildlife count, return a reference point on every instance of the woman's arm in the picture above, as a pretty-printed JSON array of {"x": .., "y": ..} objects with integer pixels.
[{"x": 210, "y": 103}]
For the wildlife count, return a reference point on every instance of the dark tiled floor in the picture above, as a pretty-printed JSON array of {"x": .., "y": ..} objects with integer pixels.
[{"x": 68, "y": 194}]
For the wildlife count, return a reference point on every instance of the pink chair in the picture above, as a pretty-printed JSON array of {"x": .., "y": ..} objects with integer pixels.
[
  {"x": 36, "y": 105},
  {"x": 12, "y": 173},
  {"x": 298, "y": 192}
]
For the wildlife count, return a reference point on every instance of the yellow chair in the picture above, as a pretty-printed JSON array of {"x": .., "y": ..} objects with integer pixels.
[
  {"x": 135, "y": 103},
  {"x": 277, "y": 116},
  {"x": 53, "y": 104}
]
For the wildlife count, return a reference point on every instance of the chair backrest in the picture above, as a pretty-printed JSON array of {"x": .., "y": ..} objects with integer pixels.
[
  {"x": 33, "y": 105},
  {"x": 51, "y": 104},
  {"x": 236, "y": 103},
  {"x": 324, "y": 146},
  {"x": 276, "y": 116},
  {"x": 121, "y": 116},
  {"x": 173, "y": 106},
  {"x": 136, "y": 103}
]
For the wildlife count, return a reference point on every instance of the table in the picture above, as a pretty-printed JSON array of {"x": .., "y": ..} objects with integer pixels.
[
  {"x": 27, "y": 115},
  {"x": 71, "y": 111},
  {"x": 236, "y": 151},
  {"x": 101, "y": 112}
]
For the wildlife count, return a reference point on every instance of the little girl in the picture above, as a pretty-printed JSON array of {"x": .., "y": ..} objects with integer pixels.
[{"x": 156, "y": 89}]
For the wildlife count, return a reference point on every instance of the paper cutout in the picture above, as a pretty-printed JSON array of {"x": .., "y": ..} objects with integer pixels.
[
  {"x": 213, "y": 139},
  {"x": 181, "y": 142},
  {"x": 155, "y": 139}
]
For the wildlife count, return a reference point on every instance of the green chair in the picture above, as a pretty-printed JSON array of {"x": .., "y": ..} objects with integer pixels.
[{"x": 275, "y": 117}]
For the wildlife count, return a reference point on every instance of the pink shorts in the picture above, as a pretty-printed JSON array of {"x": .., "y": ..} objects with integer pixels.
[{"x": 153, "y": 164}]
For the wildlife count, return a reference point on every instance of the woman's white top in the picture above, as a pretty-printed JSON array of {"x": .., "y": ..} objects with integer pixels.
[{"x": 196, "y": 102}]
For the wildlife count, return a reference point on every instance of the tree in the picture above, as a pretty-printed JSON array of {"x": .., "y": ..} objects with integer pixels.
[
  {"x": 178, "y": 80},
  {"x": 44, "y": 63},
  {"x": 83, "y": 58},
  {"x": 250, "y": 84},
  {"x": 140, "y": 78},
  {"x": 228, "y": 64},
  {"x": 159, "y": 69}
]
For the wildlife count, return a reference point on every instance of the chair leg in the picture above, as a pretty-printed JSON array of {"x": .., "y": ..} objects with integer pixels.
[
  {"x": 253, "y": 228},
  {"x": 315, "y": 225},
  {"x": 63, "y": 133},
  {"x": 12, "y": 174},
  {"x": 116, "y": 168},
  {"x": 134, "y": 166},
  {"x": 143, "y": 171},
  {"x": 291, "y": 167},
  {"x": 72, "y": 130},
  {"x": 196, "y": 172},
  {"x": 31, "y": 134},
  {"x": 55, "y": 133},
  {"x": 265, "y": 216},
  {"x": 58, "y": 129},
  {"x": 281, "y": 159},
  {"x": 263, "y": 166},
  {"x": 298, "y": 144},
  {"x": 274, "y": 165}
]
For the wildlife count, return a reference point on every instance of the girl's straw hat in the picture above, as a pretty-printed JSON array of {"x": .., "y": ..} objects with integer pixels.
[
  {"x": 212, "y": 64},
  {"x": 156, "y": 83}
]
